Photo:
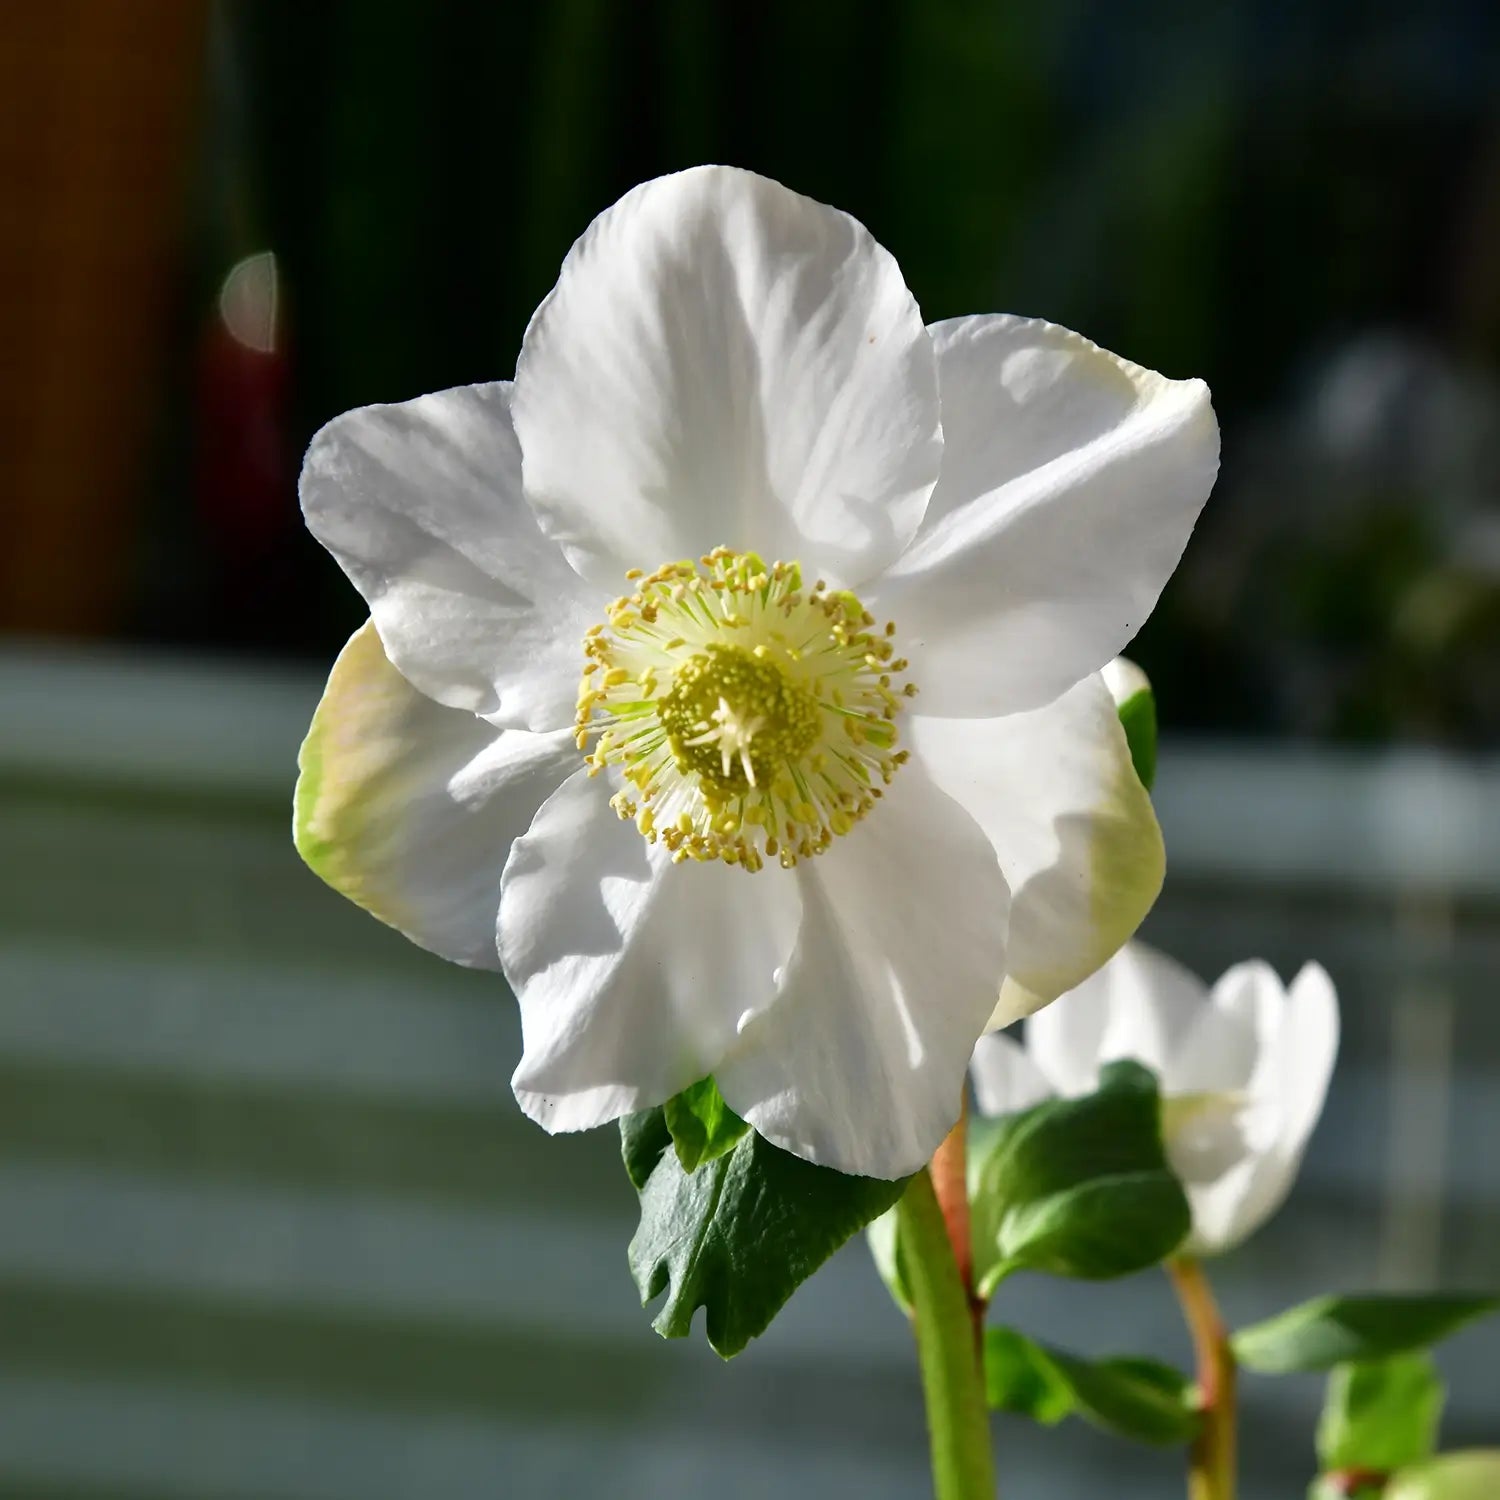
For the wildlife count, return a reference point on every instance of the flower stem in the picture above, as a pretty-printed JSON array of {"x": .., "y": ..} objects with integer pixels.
[
  {"x": 1211, "y": 1472},
  {"x": 950, "y": 1181},
  {"x": 958, "y": 1424}
]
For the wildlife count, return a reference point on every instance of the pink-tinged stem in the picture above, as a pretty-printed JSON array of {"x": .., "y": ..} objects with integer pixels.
[
  {"x": 950, "y": 1181},
  {"x": 1211, "y": 1473}
]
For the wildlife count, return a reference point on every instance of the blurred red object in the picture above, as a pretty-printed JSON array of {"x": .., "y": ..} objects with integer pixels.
[{"x": 244, "y": 501}]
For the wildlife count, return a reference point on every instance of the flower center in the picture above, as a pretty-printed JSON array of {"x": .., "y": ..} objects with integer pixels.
[{"x": 751, "y": 718}]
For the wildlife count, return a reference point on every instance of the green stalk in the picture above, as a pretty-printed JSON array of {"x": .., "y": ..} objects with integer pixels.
[{"x": 958, "y": 1423}]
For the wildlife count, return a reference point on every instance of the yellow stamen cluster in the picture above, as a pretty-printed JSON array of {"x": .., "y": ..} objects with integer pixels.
[{"x": 752, "y": 718}]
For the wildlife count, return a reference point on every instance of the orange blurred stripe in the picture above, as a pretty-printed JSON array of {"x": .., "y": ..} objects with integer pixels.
[{"x": 100, "y": 101}]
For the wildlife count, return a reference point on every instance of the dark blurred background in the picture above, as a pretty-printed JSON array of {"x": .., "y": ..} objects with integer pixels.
[
  {"x": 270, "y": 1226},
  {"x": 1300, "y": 203}
]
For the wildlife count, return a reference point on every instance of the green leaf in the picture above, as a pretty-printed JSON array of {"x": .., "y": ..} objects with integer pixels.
[
  {"x": 1138, "y": 718},
  {"x": 643, "y": 1139},
  {"x": 1078, "y": 1187},
  {"x": 1472, "y": 1475},
  {"x": 702, "y": 1125},
  {"x": 1135, "y": 1398},
  {"x": 1380, "y": 1414},
  {"x": 1331, "y": 1331},
  {"x": 1021, "y": 1376},
  {"x": 883, "y": 1236},
  {"x": 738, "y": 1235}
]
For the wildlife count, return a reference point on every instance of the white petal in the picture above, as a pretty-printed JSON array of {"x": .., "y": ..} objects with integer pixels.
[
  {"x": 409, "y": 809},
  {"x": 421, "y": 505},
  {"x": 860, "y": 1063},
  {"x": 723, "y": 361},
  {"x": 1219, "y": 1223},
  {"x": 1134, "y": 1007},
  {"x": 1205, "y": 1135},
  {"x": 1252, "y": 993},
  {"x": 1065, "y": 1039},
  {"x": 1229, "y": 1211},
  {"x": 1005, "y": 1076},
  {"x": 1057, "y": 795},
  {"x": 1154, "y": 1002},
  {"x": 1124, "y": 679},
  {"x": 1216, "y": 1053},
  {"x": 1222, "y": 1050},
  {"x": 1071, "y": 481},
  {"x": 1290, "y": 1084},
  {"x": 1300, "y": 1065},
  {"x": 634, "y": 974}
]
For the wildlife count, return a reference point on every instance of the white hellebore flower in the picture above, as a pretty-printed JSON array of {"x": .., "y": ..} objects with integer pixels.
[
  {"x": 1243, "y": 1070},
  {"x": 729, "y": 408}
]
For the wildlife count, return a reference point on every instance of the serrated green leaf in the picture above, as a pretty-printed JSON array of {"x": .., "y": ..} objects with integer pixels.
[
  {"x": 643, "y": 1139},
  {"x": 1138, "y": 719},
  {"x": 1380, "y": 1414},
  {"x": 1331, "y": 1331},
  {"x": 702, "y": 1125},
  {"x": 1078, "y": 1187},
  {"x": 1134, "y": 1398},
  {"x": 1471, "y": 1475},
  {"x": 740, "y": 1234}
]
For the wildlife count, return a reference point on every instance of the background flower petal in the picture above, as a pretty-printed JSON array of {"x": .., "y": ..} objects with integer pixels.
[
  {"x": 1005, "y": 1076},
  {"x": 421, "y": 505},
  {"x": 1300, "y": 1062},
  {"x": 1223, "y": 1047},
  {"x": 724, "y": 361},
  {"x": 1290, "y": 1084},
  {"x": 1071, "y": 482},
  {"x": 1136, "y": 1007},
  {"x": 1154, "y": 1002},
  {"x": 409, "y": 808},
  {"x": 1219, "y": 1218},
  {"x": 634, "y": 974},
  {"x": 860, "y": 1063},
  {"x": 1058, "y": 797},
  {"x": 1216, "y": 1052}
]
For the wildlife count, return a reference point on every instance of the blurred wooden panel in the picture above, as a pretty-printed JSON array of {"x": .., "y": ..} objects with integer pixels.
[{"x": 96, "y": 133}]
